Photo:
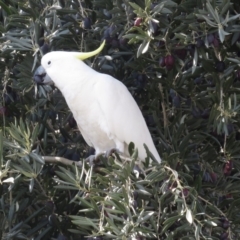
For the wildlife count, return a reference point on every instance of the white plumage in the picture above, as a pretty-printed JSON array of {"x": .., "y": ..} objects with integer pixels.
[{"x": 105, "y": 111}]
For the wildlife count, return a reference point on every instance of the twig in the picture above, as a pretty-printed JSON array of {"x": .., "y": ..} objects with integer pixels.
[
  {"x": 163, "y": 106},
  {"x": 40, "y": 186},
  {"x": 65, "y": 161},
  {"x": 206, "y": 201},
  {"x": 50, "y": 159},
  {"x": 81, "y": 8}
]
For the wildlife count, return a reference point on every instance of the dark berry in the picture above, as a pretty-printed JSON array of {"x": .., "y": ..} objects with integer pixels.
[
  {"x": 135, "y": 194},
  {"x": 216, "y": 42},
  {"x": 107, "y": 13},
  {"x": 7, "y": 99},
  {"x": 137, "y": 22},
  {"x": 53, "y": 220},
  {"x": 224, "y": 236},
  {"x": 75, "y": 157},
  {"x": 181, "y": 53},
  {"x": 213, "y": 177},
  {"x": 134, "y": 204},
  {"x": 106, "y": 33},
  {"x": 238, "y": 74},
  {"x": 45, "y": 48},
  {"x": 87, "y": 23},
  {"x": 210, "y": 38},
  {"x": 72, "y": 122},
  {"x": 191, "y": 49},
  {"x": 185, "y": 192},
  {"x": 63, "y": 139},
  {"x": 228, "y": 168},
  {"x": 162, "y": 62},
  {"x": 207, "y": 177},
  {"x": 205, "y": 114},
  {"x": 226, "y": 224},
  {"x": 153, "y": 5},
  {"x": 160, "y": 44},
  {"x": 198, "y": 80},
  {"x": 188, "y": 65},
  {"x": 230, "y": 128},
  {"x": 211, "y": 83},
  {"x": 114, "y": 43},
  {"x": 229, "y": 196},
  {"x": 9, "y": 96},
  {"x": 49, "y": 206},
  {"x": 177, "y": 101},
  {"x": 237, "y": 136},
  {"x": 150, "y": 120},
  {"x": 62, "y": 237},
  {"x": 172, "y": 93},
  {"x": 112, "y": 30},
  {"x": 123, "y": 42},
  {"x": 199, "y": 43},
  {"x": 141, "y": 81},
  {"x": 3, "y": 111},
  {"x": 220, "y": 66},
  {"x": 52, "y": 115},
  {"x": 169, "y": 61},
  {"x": 15, "y": 71},
  {"x": 153, "y": 27},
  {"x": 196, "y": 112}
]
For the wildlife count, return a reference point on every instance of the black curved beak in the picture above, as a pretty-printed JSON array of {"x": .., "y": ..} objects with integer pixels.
[{"x": 39, "y": 78}]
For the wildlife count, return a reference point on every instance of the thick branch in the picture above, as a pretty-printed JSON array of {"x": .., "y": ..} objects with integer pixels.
[{"x": 65, "y": 161}]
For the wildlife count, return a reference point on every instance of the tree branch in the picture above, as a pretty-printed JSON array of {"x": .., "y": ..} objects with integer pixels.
[
  {"x": 163, "y": 106},
  {"x": 50, "y": 159}
]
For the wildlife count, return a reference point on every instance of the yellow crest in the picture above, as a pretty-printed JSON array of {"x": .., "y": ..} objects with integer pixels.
[{"x": 86, "y": 55}]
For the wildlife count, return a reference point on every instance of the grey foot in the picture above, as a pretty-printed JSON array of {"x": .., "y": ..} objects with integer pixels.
[
  {"x": 111, "y": 151},
  {"x": 92, "y": 158}
]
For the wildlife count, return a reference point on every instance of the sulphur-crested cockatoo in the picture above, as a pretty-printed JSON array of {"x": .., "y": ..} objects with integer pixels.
[{"x": 105, "y": 111}]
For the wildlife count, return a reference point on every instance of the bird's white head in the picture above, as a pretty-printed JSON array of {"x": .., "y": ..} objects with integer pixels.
[{"x": 59, "y": 65}]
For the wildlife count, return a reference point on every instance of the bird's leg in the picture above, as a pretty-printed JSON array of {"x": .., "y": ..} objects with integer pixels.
[
  {"x": 111, "y": 151},
  {"x": 93, "y": 157},
  {"x": 118, "y": 149}
]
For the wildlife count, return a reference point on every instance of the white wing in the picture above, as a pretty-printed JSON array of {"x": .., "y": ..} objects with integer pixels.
[{"x": 124, "y": 119}]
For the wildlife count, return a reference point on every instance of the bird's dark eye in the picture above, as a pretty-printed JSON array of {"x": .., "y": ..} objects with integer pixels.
[{"x": 49, "y": 62}]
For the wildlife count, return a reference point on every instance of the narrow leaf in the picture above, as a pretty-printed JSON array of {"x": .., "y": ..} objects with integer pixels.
[{"x": 189, "y": 216}]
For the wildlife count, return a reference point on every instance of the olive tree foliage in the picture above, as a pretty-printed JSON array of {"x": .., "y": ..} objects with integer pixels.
[{"x": 180, "y": 61}]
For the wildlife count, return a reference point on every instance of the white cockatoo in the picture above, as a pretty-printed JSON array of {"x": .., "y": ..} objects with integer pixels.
[{"x": 105, "y": 111}]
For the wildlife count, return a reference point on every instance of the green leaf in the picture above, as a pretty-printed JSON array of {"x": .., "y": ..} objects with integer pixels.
[
  {"x": 143, "y": 47},
  {"x": 195, "y": 60},
  {"x": 222, "y": 33},
  {"x": 83, "y": 221},
  {"x": 169, "y": 222},
  {"x": 1, "y": 149},
  {"x": 212, "y": 12},
  {"x": 37, "y": 157},
  {"x": 189, "y": 216},
  {"x": 211, "y": 23},
  {"x": 5, "y": 8},
  {"x": 137, "y": 8}
]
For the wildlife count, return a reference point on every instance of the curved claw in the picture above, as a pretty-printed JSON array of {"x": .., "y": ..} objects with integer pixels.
[
  {"x": 92, "y": 158},
  {"x": 110, "y": 152}
]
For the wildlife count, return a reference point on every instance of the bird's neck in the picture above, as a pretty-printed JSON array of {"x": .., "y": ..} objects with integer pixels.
[{"x": 73, "y": 82}]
